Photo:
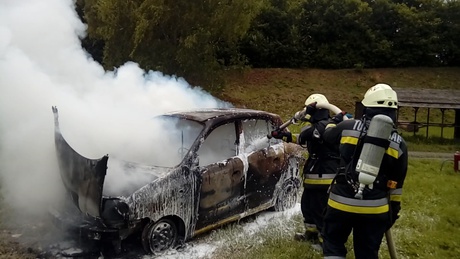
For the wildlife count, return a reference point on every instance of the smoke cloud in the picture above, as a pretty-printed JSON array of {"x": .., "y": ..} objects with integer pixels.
[{"x": 42, "y": 65}]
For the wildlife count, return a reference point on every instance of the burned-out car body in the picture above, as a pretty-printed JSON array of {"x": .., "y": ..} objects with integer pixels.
[{"x": 222, "y": 167}]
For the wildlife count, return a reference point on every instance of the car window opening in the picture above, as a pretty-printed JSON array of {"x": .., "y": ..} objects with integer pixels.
[{"x": 218, "y": 145}]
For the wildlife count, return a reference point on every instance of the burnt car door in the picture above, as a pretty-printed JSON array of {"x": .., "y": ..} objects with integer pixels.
[
  {"x": 223, "y": 177},
  {"x": 266, "y": 161}
]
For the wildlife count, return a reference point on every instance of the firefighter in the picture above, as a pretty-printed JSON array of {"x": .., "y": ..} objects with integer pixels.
[
  {"x": 368, "y": 209},
  {"x": 320, "y": 167}
]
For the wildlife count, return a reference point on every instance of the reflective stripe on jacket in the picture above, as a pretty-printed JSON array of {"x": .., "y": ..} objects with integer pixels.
[
  {"x": 392, "y": 168},
  {"x": 352, "y": 137},
  {"x": 395, "y": 194},
  {"x": 358, "y": 206},
  {"x": 315, "y": 179}
]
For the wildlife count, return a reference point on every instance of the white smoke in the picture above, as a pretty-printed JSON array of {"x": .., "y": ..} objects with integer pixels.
[{"x": 42, "y": 65}]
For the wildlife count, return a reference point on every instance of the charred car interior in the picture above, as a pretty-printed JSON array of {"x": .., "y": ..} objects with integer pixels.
[{"x": 215, "y": 166}]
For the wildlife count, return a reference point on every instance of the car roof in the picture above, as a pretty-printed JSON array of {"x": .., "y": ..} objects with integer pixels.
[{"x": 203, "y": 115}]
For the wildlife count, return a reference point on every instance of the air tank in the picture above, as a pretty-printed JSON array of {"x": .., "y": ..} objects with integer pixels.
[{"x": 371, "y": 156}]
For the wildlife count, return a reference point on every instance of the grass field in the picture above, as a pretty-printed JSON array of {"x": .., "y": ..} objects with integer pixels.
[
  {"x": 428, "y": 227},
  {"x": 283, "y": 91}
]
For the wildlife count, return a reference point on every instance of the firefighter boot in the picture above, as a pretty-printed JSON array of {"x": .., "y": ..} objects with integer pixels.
[
  {"x": 318, "y": 245},
  {"x": 310, "y": 234}
]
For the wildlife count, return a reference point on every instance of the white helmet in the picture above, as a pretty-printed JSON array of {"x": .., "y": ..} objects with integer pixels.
[
  {"x": 380, "y": 95},
  {"x": 318, "y": 98}
]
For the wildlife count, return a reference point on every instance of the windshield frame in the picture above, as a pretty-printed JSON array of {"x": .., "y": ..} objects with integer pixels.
[{"x": 193, "y": 127}]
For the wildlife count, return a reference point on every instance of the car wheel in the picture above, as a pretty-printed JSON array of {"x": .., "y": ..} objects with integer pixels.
[
  {"x": 287, "y": 197},
  {"x": 159, "y": 236}
]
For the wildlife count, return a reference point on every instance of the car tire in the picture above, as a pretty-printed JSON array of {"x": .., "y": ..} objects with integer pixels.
[
  {"x": 159, "y": 236},
  {"x": 287, "y": 197}
]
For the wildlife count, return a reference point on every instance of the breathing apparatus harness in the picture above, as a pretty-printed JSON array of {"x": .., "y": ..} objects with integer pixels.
[
  {"x": 362, "y": 171},
  {"x": 314, "y": 158},
  {"x": 318, "y": 141},
  {"x": 348, "y": 171}
]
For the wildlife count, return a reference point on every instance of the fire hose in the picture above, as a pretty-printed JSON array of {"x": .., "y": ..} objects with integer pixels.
[{"x": 390, "y": 244}]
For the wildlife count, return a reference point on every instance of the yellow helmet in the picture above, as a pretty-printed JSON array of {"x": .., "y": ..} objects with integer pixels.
[
  {"x": 318, "y": 98},
  {"x": 380, "y": 95}
]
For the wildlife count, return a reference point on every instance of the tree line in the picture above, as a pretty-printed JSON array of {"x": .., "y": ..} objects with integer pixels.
[{"x": 197, "y": 39}]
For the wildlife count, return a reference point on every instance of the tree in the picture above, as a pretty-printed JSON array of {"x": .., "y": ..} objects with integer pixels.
[
  {"x": 449, "y": 28},
  {"x": 113, "y": 23},
  {"x": 173, "y": 36},
  {"x": 337, "y": 32},
  {"x": 273, "y": 39}
]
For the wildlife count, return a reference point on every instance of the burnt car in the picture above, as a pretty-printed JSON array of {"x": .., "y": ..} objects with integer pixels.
[{"x": 219, "y": 166}]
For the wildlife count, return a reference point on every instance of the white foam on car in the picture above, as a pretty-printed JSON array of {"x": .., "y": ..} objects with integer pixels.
[{"x": 210, "y": 244}]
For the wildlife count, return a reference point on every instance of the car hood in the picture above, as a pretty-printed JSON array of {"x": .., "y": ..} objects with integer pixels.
[{"x": 84, "y": 178}]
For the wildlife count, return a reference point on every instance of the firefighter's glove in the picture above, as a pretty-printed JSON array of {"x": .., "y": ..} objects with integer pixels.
[
  {"x": 339, "y": 117},
  {"x": 395, "y": 208},
  {"x": 311, "y": 108},
  {"x": 394, "y": 217},
  {"x": 284, "y": 135}
]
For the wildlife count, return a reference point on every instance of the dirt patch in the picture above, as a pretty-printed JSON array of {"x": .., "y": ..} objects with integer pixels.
[
  {"x": 15, "y": 244},
  {"x": 26, "y": 236},
  {"x": 12, "y": 248}
]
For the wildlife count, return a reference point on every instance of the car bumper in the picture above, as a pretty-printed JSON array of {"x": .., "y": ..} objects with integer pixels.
[{"x": 83, "y": 229}]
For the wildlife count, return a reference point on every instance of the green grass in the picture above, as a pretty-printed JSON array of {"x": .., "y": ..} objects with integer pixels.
[
  {"x": 428, "y": 227},
  {"x": 431, "y": 144},
  {"x": 274, "y": 240},
  {"x": 433, "y": 131},
  {"x": 283, "y": 91}
]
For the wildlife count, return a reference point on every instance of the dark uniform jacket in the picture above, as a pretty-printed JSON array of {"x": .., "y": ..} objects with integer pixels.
[
  {"x": 323, "y": 159},
  {"x": 389, "y": 182}
]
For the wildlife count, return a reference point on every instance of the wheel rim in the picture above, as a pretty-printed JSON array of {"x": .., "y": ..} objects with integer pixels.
[
  {"x": 287, "y": 197},
  {"x": 162, "y": 236}
]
